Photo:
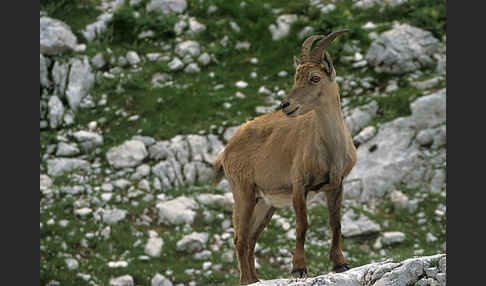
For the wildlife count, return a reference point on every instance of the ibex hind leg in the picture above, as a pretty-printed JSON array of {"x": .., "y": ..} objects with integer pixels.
[
  {"x": 243, "y": 207},
  {"x": 261, "y": 217},
  {"x": 334, "y": 202}
]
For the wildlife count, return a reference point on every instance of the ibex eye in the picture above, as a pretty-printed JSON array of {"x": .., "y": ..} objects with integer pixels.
[{"x": 315, "y": 78}]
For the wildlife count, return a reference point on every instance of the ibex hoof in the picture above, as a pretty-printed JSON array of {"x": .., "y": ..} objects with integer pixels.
[
  {"x": 341, "y": 268},
  {"x": 299, "y": 273}
]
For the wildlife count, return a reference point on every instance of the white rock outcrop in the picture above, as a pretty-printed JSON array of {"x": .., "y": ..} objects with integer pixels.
[
  {"x": 55, "y": 37},
  {"x": 407, "y": 272},
  {"x": 129, "y": 154},
  {"x": 403, "y": 49}
]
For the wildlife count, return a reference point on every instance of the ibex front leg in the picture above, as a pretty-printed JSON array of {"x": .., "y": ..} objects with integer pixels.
[
  {"x": 334, "y": 200},
  {"x": 300, "y": 208}
]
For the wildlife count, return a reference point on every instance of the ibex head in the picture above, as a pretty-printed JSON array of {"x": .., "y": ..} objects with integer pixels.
[{"x": 314, "y": 76}]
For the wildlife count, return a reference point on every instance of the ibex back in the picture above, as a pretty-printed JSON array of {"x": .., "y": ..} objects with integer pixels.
[{"x": 284, "y": 158}]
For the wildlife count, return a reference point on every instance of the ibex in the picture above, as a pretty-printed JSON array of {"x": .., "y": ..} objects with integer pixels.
[{"x": 286, "y": 157}]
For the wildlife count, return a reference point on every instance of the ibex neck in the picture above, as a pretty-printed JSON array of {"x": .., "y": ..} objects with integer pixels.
[
  {"x": 330, "y": 124},
  {"x": 331, "y": 130}
]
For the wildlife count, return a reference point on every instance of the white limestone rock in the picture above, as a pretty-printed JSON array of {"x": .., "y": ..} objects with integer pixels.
[
  {"x": 160, "y": 280},
  {"x": 403, "y": 49},
  {"x": 125, "y": 280},
  {"x": 167, "y": 6},
  {"x": 60, "y": 166},
  {"x": 177, "y": 211},
  {"x": 189, "y": 47},
  {"x": 282, "y": 28},
  {"x": 55, "y": 111},
  {"x": 352, "y": 226},
  {"x": 88, "y": 140},
  {"x": 112, "y": 216},
  {"x": 55, "y": 37},
  {"x": 153, "y": 247},
  {"x": 195, "y": 241},
  {"x": 66, "y": 150},
  {"x": 81, "y": 79},
  {"x": 392, "y": 237},
  {"x": 130, "y": 154}
]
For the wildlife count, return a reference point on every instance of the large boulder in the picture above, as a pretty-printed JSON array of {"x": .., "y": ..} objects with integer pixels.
[
  {"x": 55, "y": 37},
  {"x": 81, "y": 79},
  {"x": 403, "y": 49},
  {"x": 177, "y": 211},
  {"x": 129, "y": 154},
  {"x": 393, "y": 156},
  {"x": 60, "y": 166}
]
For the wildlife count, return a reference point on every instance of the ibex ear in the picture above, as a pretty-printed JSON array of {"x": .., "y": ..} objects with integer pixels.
[
  {"x": 328, "y": 67},
  {"x": 296, "y": 61}
]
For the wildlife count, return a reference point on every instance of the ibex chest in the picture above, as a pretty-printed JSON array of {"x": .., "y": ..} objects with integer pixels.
[{"x": 283, "y": 198}]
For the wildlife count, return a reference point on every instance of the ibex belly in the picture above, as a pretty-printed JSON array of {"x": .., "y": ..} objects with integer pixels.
[{"x": 282, "y": 198}]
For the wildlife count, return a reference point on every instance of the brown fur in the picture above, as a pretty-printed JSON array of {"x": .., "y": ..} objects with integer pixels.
[{"x": 278, "y": 159}]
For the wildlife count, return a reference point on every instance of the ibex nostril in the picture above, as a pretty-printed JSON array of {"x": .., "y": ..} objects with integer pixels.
[{"x": 284, "y": 104}]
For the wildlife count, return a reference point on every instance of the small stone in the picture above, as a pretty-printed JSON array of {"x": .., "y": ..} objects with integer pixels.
[
  {"x": 176, "y": 64},
  {"x": 241, "y": 84},
  {"x": 133, "y": 58},
  {"x": 192, "y": 242},
  {"x": 227, "y": 256},
  {"x": 192, "y": 68},
  {"x": 167, "y": 6},
  {"x": 235, "y": 26},
  {"x": 378, "y": 245},
  {"x": 66, "y": 150},
  {"x": 83, "y": 212},
  {"x": 430, "y": 237},
  {"x": 191, "y": 48},
  {"x": 72, "y": 263},
  {"x": 160, "y": 280},
  {"x": 117, "y": 264},
  {"x": 242, "y": 46},
  {"x": 392, "y": 237},
  {"x": 240, "y": 95},
  {"x": 399, "y": 199},
  {"x": 113, "y": 216},
  {"x": 154, "y": 246},
  {"x": 106, "y": 196},
  {"x": 98, "y": 61},
  {"x": 425, "y": 137},
  {"x": 125, "y": 280},
  {"x": 203, "y": 255},
  {"x": 55, "y": 111},
  {"x": 195, "y": 27},
  {"x": 204, "y": 59},
  {"x": 107, "y": 187}
]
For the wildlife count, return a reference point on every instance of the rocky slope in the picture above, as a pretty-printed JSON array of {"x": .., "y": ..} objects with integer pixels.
[{"x": 138, "y": 97}]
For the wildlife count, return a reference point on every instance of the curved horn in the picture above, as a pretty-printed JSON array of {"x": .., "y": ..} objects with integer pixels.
[
  {"x": 324, "y": 43},
  {"x": 307, "y": 45}
]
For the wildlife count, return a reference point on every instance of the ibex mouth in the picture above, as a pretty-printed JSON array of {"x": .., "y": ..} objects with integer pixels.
[{"x": 292, "y": 112}]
